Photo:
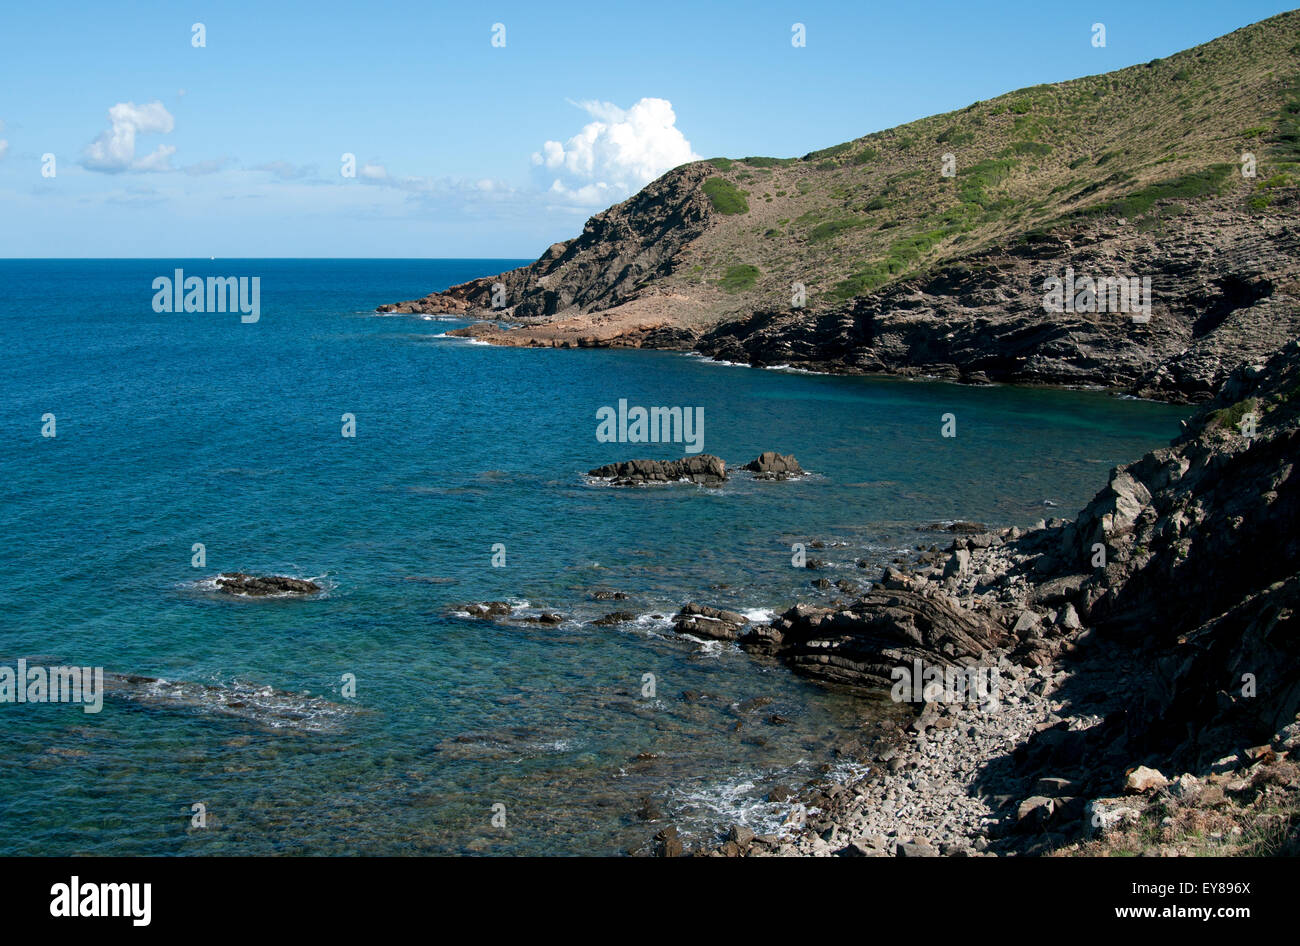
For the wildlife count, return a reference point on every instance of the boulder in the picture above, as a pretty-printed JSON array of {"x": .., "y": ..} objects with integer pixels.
[
  {"x": 700, "y": 620},
  {"x": 489, "y": 609},
  {"x": 771, "y": 465},
  {"x": 1143, "y": 779},
  {"x": 861, "y": 645}
]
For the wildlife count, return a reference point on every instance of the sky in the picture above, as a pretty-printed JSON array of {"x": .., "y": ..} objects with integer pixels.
[{"x": 478, "y": 129}]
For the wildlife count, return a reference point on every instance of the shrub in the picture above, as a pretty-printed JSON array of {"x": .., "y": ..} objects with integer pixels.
[
  {"x": 739, "y": 278},
  {"x": 1035, "y": 148},
  {"x": 824, "y": 231},
  {"x": 725, "y": 196}
]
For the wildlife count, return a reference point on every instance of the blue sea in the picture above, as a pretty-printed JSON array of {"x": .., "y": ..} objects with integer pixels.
[{"x": 177, "y": 429}]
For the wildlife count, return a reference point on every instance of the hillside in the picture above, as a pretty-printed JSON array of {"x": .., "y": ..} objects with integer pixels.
[{"x": 1132, "y": 173}]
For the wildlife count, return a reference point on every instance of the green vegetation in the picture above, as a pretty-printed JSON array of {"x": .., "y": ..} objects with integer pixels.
[
  {"x": 1285, "y": 139},
  {"x": 1190, "y": 186},
  {"x": 768, "y": 162},
  {"x": 976, "y": 180},
  {"x": 952, "y": 136},
  {"x": 824, "y": 231},
  {"x": 725, "y": 196},
  {"x": 1229, "y": 418},
  {"x": 833, "y": 151},
  {"x": 739, "y": 278}
]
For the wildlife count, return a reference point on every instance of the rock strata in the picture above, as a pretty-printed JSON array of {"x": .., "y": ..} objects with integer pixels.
[
  {"x": 705, "y": 469},
  {"x": 710, "y": 623}
]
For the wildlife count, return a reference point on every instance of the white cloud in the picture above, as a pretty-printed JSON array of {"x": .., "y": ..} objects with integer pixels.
[
  {"x": 4, "y": 145},
  {"x": 114, "y": 150},
  {"x": 617, "y": 153}
]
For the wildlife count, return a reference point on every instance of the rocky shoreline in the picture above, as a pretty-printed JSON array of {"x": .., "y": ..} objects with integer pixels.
[{"x": 1152, "y": 634}]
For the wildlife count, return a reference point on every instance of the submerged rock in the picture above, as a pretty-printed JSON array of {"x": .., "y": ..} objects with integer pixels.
[
  {"x": 489, "y": 609},
  {"x": 614, "y": 618},
  {"x": 261, "y": 586}
]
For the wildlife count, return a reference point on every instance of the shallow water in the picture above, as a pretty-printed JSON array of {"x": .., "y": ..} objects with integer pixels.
[{"x": 175, "y": 429}]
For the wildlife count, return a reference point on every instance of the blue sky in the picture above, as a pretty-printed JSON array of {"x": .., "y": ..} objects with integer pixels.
[{"x": 234, "y": 148}]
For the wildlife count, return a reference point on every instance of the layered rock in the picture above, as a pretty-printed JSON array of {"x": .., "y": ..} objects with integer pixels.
[
  {"x": 862, "y": 644},
  {"x": 1223, "y": 294},
  {"x": 1186, "y": 559},
  {"x": 710, "y": 623},
  {"x": 704, "y": 469}
]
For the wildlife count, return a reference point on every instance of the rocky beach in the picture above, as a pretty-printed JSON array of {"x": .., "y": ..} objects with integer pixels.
[{"x": 1150, "y": 635}]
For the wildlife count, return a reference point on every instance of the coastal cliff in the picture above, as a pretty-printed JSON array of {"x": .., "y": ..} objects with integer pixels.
[{"x": 926, "y": 249}]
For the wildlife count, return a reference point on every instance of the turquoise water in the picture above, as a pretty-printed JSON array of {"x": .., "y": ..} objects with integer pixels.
[{"x": 175, "y": 429}]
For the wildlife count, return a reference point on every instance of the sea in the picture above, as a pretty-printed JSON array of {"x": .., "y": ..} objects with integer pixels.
[{"x": 411, "y": 474}]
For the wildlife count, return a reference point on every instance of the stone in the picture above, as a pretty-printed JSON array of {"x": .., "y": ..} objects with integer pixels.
[
  {"x": 771, "y": 465},
  {"x": 1142, "y": 779},
  {"x": 916, "y": 849},
  {"x": 1033, "y": 813},
  {"x": 709, "y": 623},
  {"x": 740, "y": 835}
]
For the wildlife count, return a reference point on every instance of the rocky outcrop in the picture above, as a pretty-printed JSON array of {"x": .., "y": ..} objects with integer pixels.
[
  {"x": 1225, "y": 291},
  {"x": 488, "y": 610},
  {"x": 771, "y": 465},
  {"x": 263, "y": 586},
  {"x": 700, "y": 620},
  {"x": 862, "y": 644},
  {"x": 705, "y": 469},
  {"x": 619, "y": 250},
  {"x": 856, "y": 259}
]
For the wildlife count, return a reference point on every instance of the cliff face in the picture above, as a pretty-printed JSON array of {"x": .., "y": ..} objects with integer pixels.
[
  {"x": 923, "y": 249},
  {"x": 1224, "y": 291}
]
